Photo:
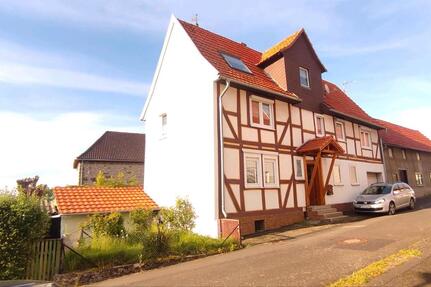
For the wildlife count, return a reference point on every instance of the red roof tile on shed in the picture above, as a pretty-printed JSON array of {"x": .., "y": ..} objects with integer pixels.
[
  {"x": 211, "y": 45},
  {"x": 92, "y": 199},
  {"x": 403, "y": 137}
]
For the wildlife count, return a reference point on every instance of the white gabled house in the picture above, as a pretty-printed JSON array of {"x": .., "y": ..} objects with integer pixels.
[{"x": 252, "y": 139}]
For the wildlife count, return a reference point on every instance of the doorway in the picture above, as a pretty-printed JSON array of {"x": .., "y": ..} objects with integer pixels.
[
  {"x": 403, "y": 176},
  {"x": 315, "y": 197}
]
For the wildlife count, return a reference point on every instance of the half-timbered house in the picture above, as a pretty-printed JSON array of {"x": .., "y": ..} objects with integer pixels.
[{"x": 253, "y": 139}]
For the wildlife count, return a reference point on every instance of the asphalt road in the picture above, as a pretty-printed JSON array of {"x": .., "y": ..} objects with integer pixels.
[{"x": 311, "y": 260}]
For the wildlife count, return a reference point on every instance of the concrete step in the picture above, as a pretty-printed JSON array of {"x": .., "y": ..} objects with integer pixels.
[
  {"x": 332, "y": 215},
  {"x": 321, "y": 208},
  {"x": 337, "y": 219}
]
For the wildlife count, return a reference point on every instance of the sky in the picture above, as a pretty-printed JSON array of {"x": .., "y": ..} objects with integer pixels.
[{"x": 70, "y": 70}]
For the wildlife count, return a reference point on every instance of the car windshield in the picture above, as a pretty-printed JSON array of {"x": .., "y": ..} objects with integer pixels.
[{"x": 378, "y": 189}]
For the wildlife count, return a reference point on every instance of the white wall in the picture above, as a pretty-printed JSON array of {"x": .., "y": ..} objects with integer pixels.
[
  {"x": 346, "y": 191},
  {"x": 183, "y": 163}
]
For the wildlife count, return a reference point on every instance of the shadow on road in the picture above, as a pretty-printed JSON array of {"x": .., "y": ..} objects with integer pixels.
[{"x": 426, "y": 279}]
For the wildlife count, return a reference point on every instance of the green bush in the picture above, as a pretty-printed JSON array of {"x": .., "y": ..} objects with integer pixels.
[
  {"x": 22, "y": 222},
  {"x": 189, "y": 243},
  {"x": 180, "y": 217},
  {"x": 111, "y": 224},
  {"x": 142, "y": 219}
]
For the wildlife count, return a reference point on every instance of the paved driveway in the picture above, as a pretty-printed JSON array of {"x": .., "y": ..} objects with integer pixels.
[{"x": 310, "y": 260}]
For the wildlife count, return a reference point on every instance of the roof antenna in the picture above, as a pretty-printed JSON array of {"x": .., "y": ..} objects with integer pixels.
[{"x": 195, "y": 19}]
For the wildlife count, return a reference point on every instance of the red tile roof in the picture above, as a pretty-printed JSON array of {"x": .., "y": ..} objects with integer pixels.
[
  {"x": 319, "y": 144},
  {"x": 403, "y": 137},
  {"x": 92, "y": 199},
  {"x": 335, "y": 99},
  {"x": 115, "y": 146},
  {"x": 211, "y": 45},
  {"x": 283, "y": 44}
]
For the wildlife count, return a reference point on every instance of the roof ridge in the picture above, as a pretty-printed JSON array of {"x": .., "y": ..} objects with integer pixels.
[
  {"x": 280, "y": 45},
  {"x": 245, "y": 45}
]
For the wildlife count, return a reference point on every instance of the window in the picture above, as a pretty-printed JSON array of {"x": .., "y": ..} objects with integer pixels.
[
  {"x": 390, "y": 152},
  {"x": 261, "y": 112},
  {"x": 164, "y": 124},
  {"x": 339, "y": 131},
  {"x": 320, "y": 125},
  {"x": 303, "y": 78},
  {"x": 236, "y": 63},
  {"x": 270, "y": 168},
  {"x": 419, "y": 178},
  {"x": 259, "y": 175},
  {"x": 252, "y": 170},
  {"x": 353, "y": 175},
  {"x": 418, "y": 156},
  {"x": 299, "y": 168},
  {"x": 365, "y": 139},
  {"x": 403, "y": 152},
  {"x": 337, "y": 175}
]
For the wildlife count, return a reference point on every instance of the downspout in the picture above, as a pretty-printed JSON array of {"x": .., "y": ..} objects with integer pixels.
[{"x": 220, "y": 118}]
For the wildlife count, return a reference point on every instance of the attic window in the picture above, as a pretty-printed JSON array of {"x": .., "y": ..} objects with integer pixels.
[
  {"x": 303, "y": 77},
  {"x": 236, "y": 63}
]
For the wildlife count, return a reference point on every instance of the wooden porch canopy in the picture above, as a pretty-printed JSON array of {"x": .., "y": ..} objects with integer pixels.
[{"x": 316, "y": 148}]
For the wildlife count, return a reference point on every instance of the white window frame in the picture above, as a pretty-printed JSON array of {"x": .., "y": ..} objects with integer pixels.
[
  {"x": 254, "y": 156},
  {"x": 261, "y": 155},
  {"x": 416, "y": 178},
  {"x": 301, "y": 160},
  {"x": 364, "y": 131},
  {"x": 274, "y": 158},
  {"x": 403, "y": 153},
  {"x": 337, "y": 167},
  {"x": 390, "y": 152},
  {"x": 271, "y": 108},
  {"x": 308, "y": 77},
  {"x": 163, "y": 127},
  {"x": 353, "y": 167},
  {"x": 317, "y": 116},
  {"x": 343, "y": 138}
]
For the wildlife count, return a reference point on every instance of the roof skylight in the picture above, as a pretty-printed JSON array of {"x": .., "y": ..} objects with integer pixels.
[{"x": 236, "y": 63}]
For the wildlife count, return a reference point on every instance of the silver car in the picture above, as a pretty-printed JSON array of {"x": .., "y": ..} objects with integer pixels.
[{"x": 385, "y": 198}]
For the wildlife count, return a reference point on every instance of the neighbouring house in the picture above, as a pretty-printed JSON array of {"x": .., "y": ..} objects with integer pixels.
[
  {"x": 252, "y": 139},
  {"x": 112, "y": 153},
  {"x": 407, "y": 156},
  {"x": 76, "y": 203}
]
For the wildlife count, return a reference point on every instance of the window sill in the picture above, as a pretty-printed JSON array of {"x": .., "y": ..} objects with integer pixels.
[
  {"x": 320, "y": 135},
  {"x": 272, "y": 186},
  {"x": 355, "y": 184},
  {"x": 252, "y": 187},
  {"x": 263, "y": 127},
  {"x": 338, "y": 184},
  {"x": 366, "y": 147},
  {"x": 305, "y": 87}
]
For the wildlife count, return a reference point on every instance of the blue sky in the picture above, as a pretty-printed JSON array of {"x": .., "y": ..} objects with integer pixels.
[{"x": 70, "y": 70}]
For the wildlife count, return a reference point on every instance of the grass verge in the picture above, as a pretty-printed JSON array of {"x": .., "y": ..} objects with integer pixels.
[{"x": 364, "y": 275}]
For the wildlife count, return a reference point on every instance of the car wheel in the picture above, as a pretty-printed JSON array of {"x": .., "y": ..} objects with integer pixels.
[
  {"x": 412, "y": 204},
  {"x": 391, "y": 210}
]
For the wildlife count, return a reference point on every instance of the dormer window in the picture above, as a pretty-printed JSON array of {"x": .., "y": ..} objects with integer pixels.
[
  {"x": 236, "y": 63},
  {"x": 303, "y": 77}
]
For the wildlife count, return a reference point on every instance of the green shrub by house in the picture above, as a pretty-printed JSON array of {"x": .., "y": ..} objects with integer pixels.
[
  {"x": 22, "y": 222},
  {"x": 111, "y": 224}
]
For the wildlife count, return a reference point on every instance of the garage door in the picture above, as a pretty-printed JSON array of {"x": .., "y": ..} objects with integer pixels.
[{"x": 374, "y": 177}]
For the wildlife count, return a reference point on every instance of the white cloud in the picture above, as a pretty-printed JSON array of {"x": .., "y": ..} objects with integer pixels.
[
  {"x": 47, "y": 147},
  {"x": 22, "y": 74},
  {"x": 414, "y": 118},
  {"x": 337, "y": 50}
]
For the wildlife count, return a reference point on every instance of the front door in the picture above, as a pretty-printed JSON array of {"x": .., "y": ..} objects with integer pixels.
[
  {"x": 403, "y": 176},
  {"x": 315, "y": 196}
]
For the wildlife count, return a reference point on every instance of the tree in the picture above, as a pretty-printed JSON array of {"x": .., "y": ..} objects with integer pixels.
[
  {"x": 29, "y": 187},
  {"x": 182, "y": 216}
]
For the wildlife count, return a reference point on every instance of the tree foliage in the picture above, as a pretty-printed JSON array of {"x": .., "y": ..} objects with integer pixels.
[
  {"x": 22, "y": 222},
  {"x": 29, "y": 187},
  {"x": 111, "y": 224},
  {"x": 119, "y": 180},
  {"x": 182, "y": 216}
]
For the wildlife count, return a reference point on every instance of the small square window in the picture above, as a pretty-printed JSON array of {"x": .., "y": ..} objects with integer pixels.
[
  {"x": 419, "y": 178},
  {"x": 337, "y": 175},
  {"x": 320, "y": 125},
  {"x": 339, "y": 131},
  {"x": 252, "y": 167},
  {"x": 261, "y": 112},
  {"x": 365, "y": 139},
  {"x": 259, "y": 226},
  {"x": 303, "y": 77},
  {"x": 164, "y": 124},
  {"x": 353, "y": 175}
]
